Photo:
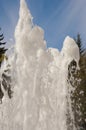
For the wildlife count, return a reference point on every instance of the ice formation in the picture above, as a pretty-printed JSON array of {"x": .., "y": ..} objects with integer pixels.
[{"x": 39, "y": 80}]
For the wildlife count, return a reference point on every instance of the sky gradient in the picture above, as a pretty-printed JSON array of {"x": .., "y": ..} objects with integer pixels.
[{"x": 58, "y": 18}]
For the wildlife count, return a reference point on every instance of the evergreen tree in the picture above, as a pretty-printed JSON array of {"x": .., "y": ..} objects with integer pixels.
[
  {"x": 2, "y": 49},
  {"x": 77, "y": 79},
  {"x": 5, "y": 83},
  {"x": 79, "y": 43}
]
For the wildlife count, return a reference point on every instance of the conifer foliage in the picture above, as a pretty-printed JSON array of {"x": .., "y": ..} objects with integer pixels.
[
  {"x": 2, "y": 49},
  {"x": 5, "y": 79},
  {"x": 78, "y": 41},
  {"x": 78, "y": 81}
]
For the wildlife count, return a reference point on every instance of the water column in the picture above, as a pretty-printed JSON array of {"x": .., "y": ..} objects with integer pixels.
[{"x": 39, "y": 79}]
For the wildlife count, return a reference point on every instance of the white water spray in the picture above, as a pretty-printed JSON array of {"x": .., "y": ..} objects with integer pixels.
[{"x": 40, "y": 87}]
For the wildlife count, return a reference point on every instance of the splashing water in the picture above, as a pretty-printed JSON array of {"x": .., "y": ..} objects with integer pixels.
[{"x": 39, "y": 80}]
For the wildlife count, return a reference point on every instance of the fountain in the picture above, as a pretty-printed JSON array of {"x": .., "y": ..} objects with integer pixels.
[{"x": 40, "y": 85}]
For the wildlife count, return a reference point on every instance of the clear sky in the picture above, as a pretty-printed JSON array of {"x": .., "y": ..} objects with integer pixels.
[{"x": 58, "y": 18}]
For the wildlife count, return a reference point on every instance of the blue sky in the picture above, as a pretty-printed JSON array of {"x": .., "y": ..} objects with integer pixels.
[{"x": 58, "y": 18}]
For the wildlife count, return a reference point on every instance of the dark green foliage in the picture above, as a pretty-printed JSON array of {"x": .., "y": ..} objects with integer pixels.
[
  {"x": 79, "y": 43},
  {"x": 5, "y": 83},
  {"x": 77, "y": 79},
  {"x": 1, "y": 93},
  {"x": 2, "y": 49}
]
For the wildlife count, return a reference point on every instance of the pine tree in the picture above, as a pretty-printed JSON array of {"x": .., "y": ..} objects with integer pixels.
[
  {"x": 78, "y": 97},
  {"x": 2, "y": 49},
  {"x": 5, "y": 82},
  {"x": 78, "y": 41}
]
